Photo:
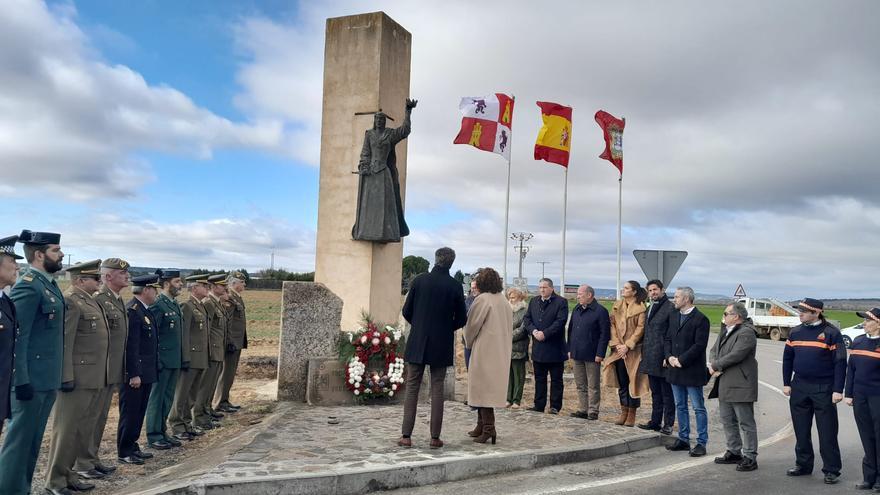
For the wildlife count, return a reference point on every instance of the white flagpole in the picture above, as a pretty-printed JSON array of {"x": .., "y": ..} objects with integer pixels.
[
  {"x": 564, "y": 227},
  {"x": 619, "y": 223},
  {"x": 507, "y": 204}
]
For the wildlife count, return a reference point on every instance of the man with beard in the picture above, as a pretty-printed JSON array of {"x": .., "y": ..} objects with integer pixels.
[
  {"x": 39, "y": 308},
  {"x": 194, "y": 359},
  {"x": 236, "y": 340},
  {"x": 84, "y": 376},
  {"x": 115, "y": 277},
  {"x": 204, "y": 415},
  {"x": 8, "y": 324},
  {"x": 653, "y": 365},
  {"x": 168, "y": 320}
]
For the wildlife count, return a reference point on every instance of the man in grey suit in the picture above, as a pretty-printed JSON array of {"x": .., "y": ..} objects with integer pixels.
[{"x": 732, "y": 362}]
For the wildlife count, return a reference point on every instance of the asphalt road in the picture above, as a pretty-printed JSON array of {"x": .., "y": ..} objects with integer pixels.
[{"x": 659, "y": 471}]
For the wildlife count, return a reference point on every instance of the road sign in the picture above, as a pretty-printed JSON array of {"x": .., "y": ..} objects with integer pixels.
[
  {"x": 662, "y": 265},
  {"x": 521, "y": 283},
  {"x": 740, "y": 292}
]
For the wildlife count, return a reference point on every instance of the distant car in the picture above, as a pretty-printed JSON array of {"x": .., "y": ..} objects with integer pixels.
[{"x": 850, "y": 333}]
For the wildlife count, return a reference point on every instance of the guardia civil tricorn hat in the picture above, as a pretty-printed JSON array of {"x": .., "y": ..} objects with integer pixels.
[{"x": 39, "y": 238}]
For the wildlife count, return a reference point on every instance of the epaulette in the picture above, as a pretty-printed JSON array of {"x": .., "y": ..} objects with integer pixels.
[{"x": 27, "y": 278}]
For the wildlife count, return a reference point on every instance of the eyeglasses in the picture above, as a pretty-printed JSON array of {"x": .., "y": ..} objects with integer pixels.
[{"x": 728, "y": 314}]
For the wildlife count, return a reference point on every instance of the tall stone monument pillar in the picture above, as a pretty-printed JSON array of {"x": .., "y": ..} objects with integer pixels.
[{"x": 366, "y": 68}]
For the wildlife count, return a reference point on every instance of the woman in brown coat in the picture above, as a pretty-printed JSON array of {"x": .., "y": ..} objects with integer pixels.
[
  {"x": 622, "y": 367},
  {"x": 488, "y": 334}
]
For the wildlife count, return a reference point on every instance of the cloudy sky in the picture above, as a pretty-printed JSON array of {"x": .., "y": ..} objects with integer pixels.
[{"x": 187, "y": 134}]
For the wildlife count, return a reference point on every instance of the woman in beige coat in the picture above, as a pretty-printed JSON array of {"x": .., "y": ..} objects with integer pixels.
[
  {"x": 488, "y": 334},
  {"x": 622, "y": 366}
]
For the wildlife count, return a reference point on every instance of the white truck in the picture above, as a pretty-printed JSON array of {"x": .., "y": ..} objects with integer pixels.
[{"x": 773, "y": 318}]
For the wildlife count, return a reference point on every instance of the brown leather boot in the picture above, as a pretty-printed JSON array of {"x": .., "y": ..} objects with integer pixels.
[
  {"x": 624, "y": 413},
  {"x": 488, "y": 426},
  {"x": 479, "y": 429},
  {"x": 631, "y": 417}
]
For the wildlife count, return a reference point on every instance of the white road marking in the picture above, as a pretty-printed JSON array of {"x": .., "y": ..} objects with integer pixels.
[
  {"x": 775, "y": 361},
  {"x": 781, "y": 434}
]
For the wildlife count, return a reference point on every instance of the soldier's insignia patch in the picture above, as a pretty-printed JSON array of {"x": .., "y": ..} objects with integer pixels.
[
  {"x": 821, "y": 336},
  {"x": 28, "y": 278},
  {"x": 146, "y": 320}
]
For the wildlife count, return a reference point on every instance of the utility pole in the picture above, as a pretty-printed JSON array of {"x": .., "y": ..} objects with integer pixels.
[
  {"x": 272, "y": 259},
  {"x": 521, "y": 237},
  {"x": 542, "y": 263}
]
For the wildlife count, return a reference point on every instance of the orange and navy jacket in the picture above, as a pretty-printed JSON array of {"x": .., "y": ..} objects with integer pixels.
[
  {"x": 815, "y": 354},
  {"x": 863, "y": 370}
]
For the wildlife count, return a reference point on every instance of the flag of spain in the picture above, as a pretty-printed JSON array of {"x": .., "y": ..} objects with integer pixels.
[{"x": 554, "y": 138}]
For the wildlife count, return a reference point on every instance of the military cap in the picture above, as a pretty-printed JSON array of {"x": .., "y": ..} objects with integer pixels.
[
  {"x": 39, "y": 238},
  {"x": 116, "y": 263},
  {"x": 151, "y": 280},
  {"x": 874, "y": 314},
  {"x": 167, "y": 273},
  {"x": 238, "y": 275},
  {"x": 85, "y": 268},
  {"x": 7, "y": 246},
  {"x": 219, "y": 279},
  {"x": 201, "y": 278},
  {"x": 810, "y": 304}
]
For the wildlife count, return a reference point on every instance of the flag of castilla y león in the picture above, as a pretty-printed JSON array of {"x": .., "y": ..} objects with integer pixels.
[
  {"x": 612, "y": 128},
  {"x": 554, "y": 138},
  {"x": 486, "y": 123}
]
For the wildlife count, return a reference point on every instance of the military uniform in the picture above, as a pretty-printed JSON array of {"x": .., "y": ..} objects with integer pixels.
[
  {"x": 84, "y": 377},
  {"x": 8, "y": 329},
  {"x": 39, "y": 308},
  {"x": 168, "y": 320},
  {"x": 141, "y": 361},
  {"x": 203, "y": 412},
  {"x": 194, "y": 362},
  {"x": 117, "y": 324},
  {"x": 236, "y": 340}
]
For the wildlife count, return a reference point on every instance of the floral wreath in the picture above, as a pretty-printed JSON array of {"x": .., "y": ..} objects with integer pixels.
[{"x": 358, "y": 346}]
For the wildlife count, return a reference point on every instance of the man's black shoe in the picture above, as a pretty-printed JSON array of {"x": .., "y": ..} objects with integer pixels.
[
  {"x": 729, "y": 458},
  {"x": 831, "y": 478},
  {"x": 216, "y": 414},
  {"x": 535, "y": 409},
  {"x": 679, "y": 445},
  {"x": 142, "y": 454},
  {"x": 593, "y": 416},
  {"x": 91, "y": 474},
  {"x": 864, "y": 485},
  {"x": 197, "y": 431},
  {"x": 185, "y": 436},
  {"x": 798, "y": 471},
  {"x": 649, "y": 426},
  {"x": 747, "y": 465},
  {"x": 80, "y": 486},
  {"x": 161, "y": 445},
  {"x": 553, "y": 410},
  {"x": 666, "y": 430},
  {"x": 105, "y": 469},
  {"x": 173, "y": 441},
  {"x": 579, "y": 414},
  {"x": 131, "y": 459},
  {"x": 698, "y": 451}
]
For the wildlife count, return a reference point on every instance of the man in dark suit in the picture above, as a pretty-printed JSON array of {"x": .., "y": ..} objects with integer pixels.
[
  {"x": 545, "y": 321},
  {"x": 653, "y": 360},
  {"x": 588, "y": 334},
  {"x": 435, "y": 309},
  {"x": 141, "y": 368},
  {"x": 39, "y": 344},
  {"x": 8, "y": 325},
  {"x": 685, "y": 353}
]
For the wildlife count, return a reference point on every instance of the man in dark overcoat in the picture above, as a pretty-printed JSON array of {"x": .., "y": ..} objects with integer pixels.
[
  {"x": 8, "y": 325},
  {"x": 652, "y": 364},
  {"x": 685, "y": 353},
  {"x": 545, "y": 321},
  {"x": 435, "y": 308}
]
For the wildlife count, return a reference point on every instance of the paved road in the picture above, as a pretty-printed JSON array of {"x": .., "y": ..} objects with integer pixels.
[{"x": 659, "y": 471}]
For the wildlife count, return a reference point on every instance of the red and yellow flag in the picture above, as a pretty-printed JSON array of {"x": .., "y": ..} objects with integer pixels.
[{"x": 554, "y": 138}]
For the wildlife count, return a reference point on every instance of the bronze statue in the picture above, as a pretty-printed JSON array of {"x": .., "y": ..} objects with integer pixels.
[{"x": 379, "y": 206}]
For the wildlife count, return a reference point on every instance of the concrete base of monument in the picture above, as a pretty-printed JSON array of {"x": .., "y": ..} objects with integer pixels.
[{"x": 342, "y": 450}]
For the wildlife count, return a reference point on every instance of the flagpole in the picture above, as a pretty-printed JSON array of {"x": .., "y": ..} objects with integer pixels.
[
  {"x": 564, "y": 226},
  {"x": 619, "y": 223},
  {"x": 507, "y": 201}
]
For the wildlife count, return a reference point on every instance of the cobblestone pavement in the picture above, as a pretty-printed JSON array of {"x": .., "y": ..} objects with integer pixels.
[{"x": 303, "y": 440}]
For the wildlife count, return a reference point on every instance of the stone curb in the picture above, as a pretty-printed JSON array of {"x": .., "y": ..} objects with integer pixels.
[{"x": 358, "y": 481}]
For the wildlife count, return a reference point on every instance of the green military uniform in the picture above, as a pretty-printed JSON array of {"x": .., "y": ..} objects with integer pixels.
[
  {"x": 203, "y": 412},
  {"x": 84, "y": 377},
  {"x": 168, "y": 319},
  {"x": 194, "y": 362},
  {"x": 39, "y": 345},
  {"x": 236, "y": 335},
  {"x": 117, "y": 324}
]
